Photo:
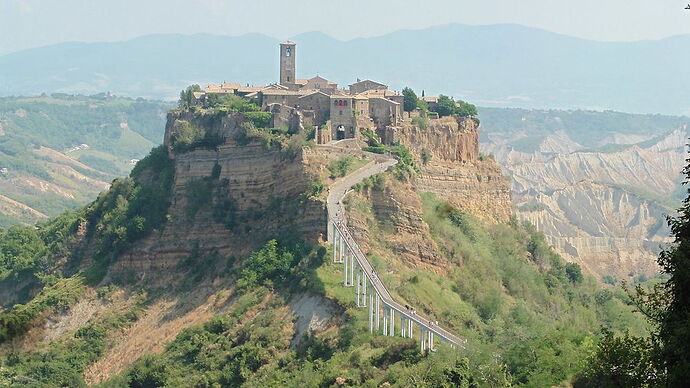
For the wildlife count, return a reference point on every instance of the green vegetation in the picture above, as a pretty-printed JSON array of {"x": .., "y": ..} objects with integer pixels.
[
  {"x": 61, "y": 294},
  {"x": 133, "y": 207},
  {"x": 423, "y": 106},
  {"x": 532, "y": 206},
  {"x": 527, "y": 315},
  {"x": 421, "y": 122},
  {"x": 406, "y": 166},
  {"x": 63, "y": 362},
  {"x": 587, "y": 128},
  {"x": 341, "y": 167},
  {"x": 447, "y": 106},
  {"x": 409, "y": 100},
  {"x": 187, "y": 98},
  {"x": 186, "y": 136},
  {"x": 259, "y": 119},
  {"x": 426, "y": 156},
  {"x": 113, "y": 129},
  {"x": 231, "y": 103},
  {"x": 661, "y": 358}
]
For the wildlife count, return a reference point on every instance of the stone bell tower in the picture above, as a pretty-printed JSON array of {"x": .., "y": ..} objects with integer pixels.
[{"x": 287, "y": 63}]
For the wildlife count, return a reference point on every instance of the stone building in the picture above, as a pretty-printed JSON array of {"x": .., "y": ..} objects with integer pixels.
[{"x": 338, "y": 113}]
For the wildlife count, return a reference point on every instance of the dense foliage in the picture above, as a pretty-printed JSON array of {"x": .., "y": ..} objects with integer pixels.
[
  {"x": 187, "y": 98},
  {"x": 341, "y": 167},
  {"x": 447, "y": 106},
  {"x": 134, "y": 206},
  {"x": 114, "y": 130},
  {"x": 409, "y": 100},
  {"x": 528, "y": 316},
  {"x": 661, "y": 359}
]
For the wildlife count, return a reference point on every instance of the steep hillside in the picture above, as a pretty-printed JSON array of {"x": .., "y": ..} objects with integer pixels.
[
  {"x": 598, "y": 185},
  {"x": 207, "y": 267},
  {"x": 495, "y": 65},
  {"x": 57, "y": 153}
]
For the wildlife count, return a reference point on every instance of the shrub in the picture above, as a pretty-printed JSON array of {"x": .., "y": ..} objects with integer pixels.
[
  {"x": 574, "y": 272},
  {"x": 259, "y": 119},
  {"x": 340, "y": 167},
  {"x": 231, "y": 103},
  {"x": 421, "y": 122},
  {"x": 268, "y": 266},
  {"x": 185, "y": 136},
  {"x": 426, "y": 156}
]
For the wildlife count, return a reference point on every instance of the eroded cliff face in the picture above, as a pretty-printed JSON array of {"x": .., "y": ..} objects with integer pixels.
[
  {"x": 229, "y": 199},
  {"x": 602, "y": 209},
  {"x": 397, "y": 211},
  {"x": 455, "y": 171},
  {"x": 607, "y": 230},
  {"x": 450, "y": 139}
]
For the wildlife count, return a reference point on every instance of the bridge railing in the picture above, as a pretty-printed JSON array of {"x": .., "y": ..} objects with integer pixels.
[{"x": 426, "y": 326}]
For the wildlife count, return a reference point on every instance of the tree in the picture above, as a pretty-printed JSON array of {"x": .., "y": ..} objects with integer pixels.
[
  {"x": 465, "y": 109},
  {"x": 674, "y": 329},
  {"x": 445, "y": 106},
  {"x": 459, "y": 375},
  {"x": 409, "y": 100},
  {"x": 187, "y": 96},
  {"x": 663, "y": 358},
  {"x": 623, "y": 361},
  {"x": 574, "y": 272}
]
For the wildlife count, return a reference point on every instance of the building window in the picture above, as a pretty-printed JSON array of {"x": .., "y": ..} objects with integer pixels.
[
  {"x": 288, "y": 78},
  {"x": 288, "y": 52}
]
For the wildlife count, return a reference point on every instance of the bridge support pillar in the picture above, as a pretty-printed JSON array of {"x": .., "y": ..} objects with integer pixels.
[
  {"x": 365, "y": 280},
  {"x": 371, "y": 312},
  {"x": 332, "y": 238},
  {"x": 341, "y": 240},
  {"x": 378, "y": 312},
  {"x": 385, "y": 320},
  {"x": 345, "y": 268},
  {"x": 392, "y": 322},
  {"x": 358, "y": 289},
  {"x": 403, "y": 326},
  {"x": 352, "y": 267}
]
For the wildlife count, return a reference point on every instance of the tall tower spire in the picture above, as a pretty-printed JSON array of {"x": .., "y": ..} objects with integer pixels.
[{"x": 287, "y": 63}]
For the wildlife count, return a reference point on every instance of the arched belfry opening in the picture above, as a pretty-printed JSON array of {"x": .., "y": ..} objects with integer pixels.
[{"x": 287, "y": 63}]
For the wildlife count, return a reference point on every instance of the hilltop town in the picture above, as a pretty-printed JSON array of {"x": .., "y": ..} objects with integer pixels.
[{"x": 366, "y": 106}]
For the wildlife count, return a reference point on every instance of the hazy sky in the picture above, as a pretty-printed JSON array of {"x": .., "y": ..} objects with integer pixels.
[{"x": 31, "y": 23}]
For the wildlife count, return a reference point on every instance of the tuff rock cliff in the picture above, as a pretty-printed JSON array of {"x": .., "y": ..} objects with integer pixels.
[
  {"x": 251, "y": 191},
  {"x": 604, "y": 209},
  {"x": 455, "y": 170}
]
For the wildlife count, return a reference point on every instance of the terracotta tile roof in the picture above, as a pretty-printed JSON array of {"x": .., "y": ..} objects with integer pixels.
[{"x": 367, "y": 80}]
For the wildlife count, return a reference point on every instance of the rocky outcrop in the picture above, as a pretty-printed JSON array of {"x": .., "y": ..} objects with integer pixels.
[
  {"x": 396, "y": 210},
  {"x": 449, "y": 139},
  {"x": 602, "y": 209},
  {"x": 454, "y": 170},
  {"x": 261, "y": 188},
  {"x": 479, "y": 188},
  {"x": 607, "y": 230}
]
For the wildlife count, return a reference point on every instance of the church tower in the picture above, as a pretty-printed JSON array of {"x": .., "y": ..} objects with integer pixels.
[{"x": 287, "y": 63}]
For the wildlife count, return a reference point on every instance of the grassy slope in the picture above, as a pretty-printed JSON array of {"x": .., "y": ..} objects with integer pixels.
[
  {"x": 524, "y": 319},
  {"x": 59, "y": 123}
]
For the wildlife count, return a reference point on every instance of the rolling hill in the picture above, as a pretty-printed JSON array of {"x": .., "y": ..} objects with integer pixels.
[{"x": 496, "y": 65}]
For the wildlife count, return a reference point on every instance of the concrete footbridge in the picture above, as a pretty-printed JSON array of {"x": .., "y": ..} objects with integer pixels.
[{"x": 370, "y": 292}]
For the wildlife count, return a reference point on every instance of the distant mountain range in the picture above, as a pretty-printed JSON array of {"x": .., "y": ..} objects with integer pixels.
[{"x": 496, "y": 65}]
